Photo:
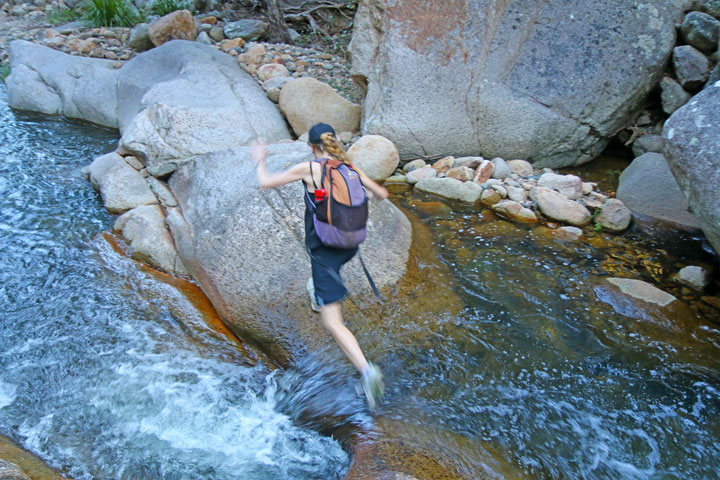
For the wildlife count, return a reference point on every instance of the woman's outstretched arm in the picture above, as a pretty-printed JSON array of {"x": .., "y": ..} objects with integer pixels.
[
  {"x": 271, "y": 180},
  {"x": 376, "y": 189}
]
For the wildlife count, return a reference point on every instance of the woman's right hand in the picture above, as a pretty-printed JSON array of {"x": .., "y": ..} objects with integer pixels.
[{"x": 258, "y": 151}]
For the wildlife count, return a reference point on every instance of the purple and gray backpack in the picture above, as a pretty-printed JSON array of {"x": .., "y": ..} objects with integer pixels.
[{"x": 341, "y": 206}]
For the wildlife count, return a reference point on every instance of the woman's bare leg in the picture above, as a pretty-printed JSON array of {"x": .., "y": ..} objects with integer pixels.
[{"x": 332, "y": 319}]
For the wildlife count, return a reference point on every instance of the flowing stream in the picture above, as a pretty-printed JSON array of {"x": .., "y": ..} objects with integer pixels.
[
  {"x": 98, "y": 374},
  {"x": 106, "y": 372}
]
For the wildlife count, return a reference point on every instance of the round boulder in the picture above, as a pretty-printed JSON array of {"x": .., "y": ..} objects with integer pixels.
[
  {"x": 701, "y": 31},
  {"x": 558, "y": 207},
  {"x": 272, "y": 70},
  {"x": 614, "y": 216},
  {"x": 307, "y": 101},
  {"x": 176, "y": 25},
  {"x": 375, "y": 155}
]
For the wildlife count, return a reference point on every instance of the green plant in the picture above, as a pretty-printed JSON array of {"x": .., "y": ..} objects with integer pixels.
[
  {"x": 164, "y": 7},
  {"x": 111, "y": 13},
  {"x": 60, "y": 15},
  {"x": 597, "y": 225},
  {"x": 4, "y": 71}
]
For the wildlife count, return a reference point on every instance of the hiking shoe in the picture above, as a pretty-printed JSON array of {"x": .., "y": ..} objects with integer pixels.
[
  {"x": 373, "y": 385},
  {"x": 311, "y": 290}
]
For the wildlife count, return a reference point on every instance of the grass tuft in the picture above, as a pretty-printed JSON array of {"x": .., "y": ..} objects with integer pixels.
[
  {"x": 4, "y": 71},
  {"x": 111, "y": 13},
  {"x": 164, "y": 7},
  {"x": 59, "y": 15}
]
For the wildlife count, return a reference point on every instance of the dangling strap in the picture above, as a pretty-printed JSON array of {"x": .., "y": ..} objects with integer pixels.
[{"x": 367, "y": 274}]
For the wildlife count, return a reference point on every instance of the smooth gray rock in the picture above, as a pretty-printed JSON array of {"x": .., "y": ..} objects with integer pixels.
[
  {"x": 569, "y": 185},
  {"x": 642, "y": 291},
  {"x": 648, "y": 143},
  {"x": 614, "y": 216},
  {"x": 217, "y": 33},
  {"x": 692, "y": 68},
  {"x": 558, "y": 207},
  {"x": 10, "y": 471},
  {"x": 150, "y": 241},
  {"x": 245, "y": 247},
  {"x": 51, "y": 82},
  {"x": 672, "y": 95},
  {"x": 714, "y": 76},
  {"x": 121, "y": 186},
  {"x": 514, "y": 211},
  {"x": 648, "y": 188},
  {"x": 169, "y": 114},
  {"x": 140, "y": 38},
  {"x": 247, "y": 29},
  {"x": 711, "y": 7},
  {"x": 694, "y": 277},
  {"x": 701, "y": 30},
  {"x": 468, "y": 192},
  {"x": 501, "y": 169},
  {"x": 203, "y": 38},
  {"x": 549, "y": 82},
  {"x": 692, "y": 147}
]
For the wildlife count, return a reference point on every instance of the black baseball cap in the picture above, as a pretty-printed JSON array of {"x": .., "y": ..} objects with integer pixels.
[{"x": 317, "y": 130}]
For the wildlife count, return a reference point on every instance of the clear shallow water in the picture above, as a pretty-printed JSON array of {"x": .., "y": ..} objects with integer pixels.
[
  {"x": 106, "y": 372},
  {"x": 538, "y": 369}
]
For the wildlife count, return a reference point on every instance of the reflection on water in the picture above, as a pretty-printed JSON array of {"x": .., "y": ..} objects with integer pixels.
[
  {"x": 538, "y": 368},
  {"x": 106, "y": 372}
]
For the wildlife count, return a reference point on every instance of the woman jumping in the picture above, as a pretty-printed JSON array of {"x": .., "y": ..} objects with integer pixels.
[{"x": 326, "y": 289}]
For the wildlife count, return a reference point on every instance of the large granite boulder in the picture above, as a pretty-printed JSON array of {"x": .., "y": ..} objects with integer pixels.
[
  {"x": 245, "y": 247},
  {"x": 692, "y": 149},
  {"x": 648, "y": 188},
  {"x": 169, "y": 114},
  {"x": 47, "y": 81},
  {"x": 544, "y": 81}
]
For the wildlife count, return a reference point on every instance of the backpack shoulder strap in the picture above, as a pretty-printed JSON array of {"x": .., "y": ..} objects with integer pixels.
[{"x": 312, "y": 176}]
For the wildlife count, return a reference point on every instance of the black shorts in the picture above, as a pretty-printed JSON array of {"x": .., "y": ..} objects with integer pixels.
[{"x": 323, "y": 259}]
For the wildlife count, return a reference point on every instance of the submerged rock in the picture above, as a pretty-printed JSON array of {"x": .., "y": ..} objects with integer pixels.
[{"x": 694, "y": 277}]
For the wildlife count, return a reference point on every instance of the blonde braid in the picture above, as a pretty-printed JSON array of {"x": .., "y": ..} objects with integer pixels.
[{"x": 334, "y": 148}]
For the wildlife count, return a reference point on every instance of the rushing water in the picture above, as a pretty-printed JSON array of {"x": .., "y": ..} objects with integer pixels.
[
  {"x": 99, "y": 375},
  {"x": 107, "y": 373}
]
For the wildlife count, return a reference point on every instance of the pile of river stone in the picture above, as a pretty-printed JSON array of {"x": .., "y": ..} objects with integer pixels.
[{"x": 516, "y": 191}]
